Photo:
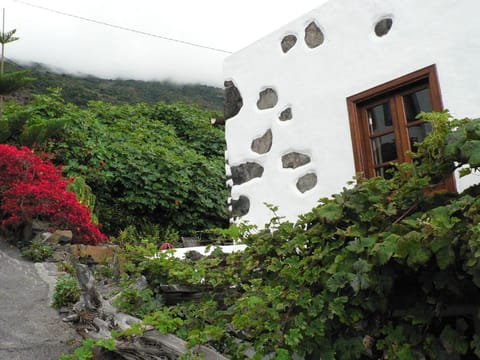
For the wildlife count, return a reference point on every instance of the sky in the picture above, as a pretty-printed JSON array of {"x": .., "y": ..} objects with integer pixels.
[{"x": 78, "y": 46}]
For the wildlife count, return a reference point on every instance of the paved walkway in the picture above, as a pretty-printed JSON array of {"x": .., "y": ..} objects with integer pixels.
[{"x": 29, "y": 328}]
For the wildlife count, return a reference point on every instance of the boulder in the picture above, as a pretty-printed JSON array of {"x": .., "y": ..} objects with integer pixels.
[
  {"x": 60, "y": 237},
  {"x": 99, "y": 254},
  {"x": 42, "y": 237}
]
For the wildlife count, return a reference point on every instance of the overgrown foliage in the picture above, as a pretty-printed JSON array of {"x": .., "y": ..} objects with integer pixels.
[
  {"x": 386, "y": 269},
  {"x": 37, "y": 251},
  {"x": 67, "y": 291},
  {"x": 32, "y": 188},
  {"x": 138, "y": 302},
  {"x": 160, "y": 164},
  {"x": 86, "y": 350}
]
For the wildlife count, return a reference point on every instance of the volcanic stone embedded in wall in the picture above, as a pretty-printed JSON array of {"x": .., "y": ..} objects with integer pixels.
[
  {"x": 241, "y": 206},
  {"x": 268, "y": 99},
  {"x": 286, "y": 114},
  {"x": 294, "y": 159},
  {"x": 246, "y": 172},
  {"x": 263, "y": 144},
  {"x": 307, "y": 182},
  {"x": 313, "y": 35},
  {"x": 233, "y": 100},
  {"x": 383, "y": 27},
  {"x": 288, "y": 42}
]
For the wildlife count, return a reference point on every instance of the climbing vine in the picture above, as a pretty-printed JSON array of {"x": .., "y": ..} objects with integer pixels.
[{"x": 386, "y": 269}]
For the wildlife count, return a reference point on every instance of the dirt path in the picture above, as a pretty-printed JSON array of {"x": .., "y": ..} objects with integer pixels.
[{"x": 29, "y": 328}]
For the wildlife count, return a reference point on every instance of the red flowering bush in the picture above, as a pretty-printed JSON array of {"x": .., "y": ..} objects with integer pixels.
[{"x": 33, "y": 188}]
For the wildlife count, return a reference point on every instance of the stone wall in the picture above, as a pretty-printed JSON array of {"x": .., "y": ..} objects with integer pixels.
[{"x": 287, "y": 128}]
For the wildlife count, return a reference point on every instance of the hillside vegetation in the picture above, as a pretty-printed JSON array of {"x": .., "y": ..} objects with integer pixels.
[
  {"x": 81, "y": 89},
  {"x": 160, "y": 164}
]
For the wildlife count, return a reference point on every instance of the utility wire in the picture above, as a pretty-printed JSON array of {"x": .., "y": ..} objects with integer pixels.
[{"x": 122, "y": 27}]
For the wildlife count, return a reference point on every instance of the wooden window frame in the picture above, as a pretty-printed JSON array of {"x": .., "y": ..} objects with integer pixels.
[{"x": 394, "y": 91}]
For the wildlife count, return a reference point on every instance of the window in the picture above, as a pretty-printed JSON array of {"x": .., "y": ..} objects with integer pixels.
[{"x": 383, "y": 121}]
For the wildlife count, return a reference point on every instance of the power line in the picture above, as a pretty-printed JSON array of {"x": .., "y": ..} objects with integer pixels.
[{"x": 122, "y": 27}]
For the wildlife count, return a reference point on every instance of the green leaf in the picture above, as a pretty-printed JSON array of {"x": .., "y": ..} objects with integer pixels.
[
  {"x": 338, "y": 280},
  {"x": 330, "y": 212},
  {"x": 471, "y": 150},
  {"x": 360, "y": 244},
  {"x": 453, "y": 342},
  {"x": 282, "y": 354},
  {"x": 411, "y": 248},
  {"x": 293, "y": 337},
  {"x": 385, "y": 250},
  {"x": 445, "y": 257},
  {"x": 475, "y": 345},
  {"x": 360, "y": 282},
  {"x": 464, "y": 172}
]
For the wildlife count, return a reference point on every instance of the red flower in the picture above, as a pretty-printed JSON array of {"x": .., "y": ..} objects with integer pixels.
[{"x": 166, "y": 246}]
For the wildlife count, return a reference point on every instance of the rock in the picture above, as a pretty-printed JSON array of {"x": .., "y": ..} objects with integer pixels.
[
  {"x": 245, "y": 172},
  {"x": 313, "y": 35},
  {"x": 267, "y": 99},
  {"x": 288, "y": 42},
  {"x": 286, "y": 114},
  {"x": 60, "y": 237},
  {"x": 71, "y": 318},
  {"x": 193, "y": 255},
  {"x": 42, "y": 237},
  {"x": 307, "y": 182},
  {"x": 295, "y": 159},
  {"x": 62, "y": 254},
  {"x": 263, "y": 144},
  {"x": 383, "y": 27},
  {"x": 99, "y": 254},
  {"x": 241, "y": 206},
  {"x": 233, "y": 100},
  {"x": 140, "y": 284}
]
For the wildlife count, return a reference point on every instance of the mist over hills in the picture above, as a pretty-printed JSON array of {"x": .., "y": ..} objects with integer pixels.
[{"x": 81, "y": 88}]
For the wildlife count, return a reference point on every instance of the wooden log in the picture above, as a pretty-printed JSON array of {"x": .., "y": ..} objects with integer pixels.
[
  {"x": 169, "y": 346},
  {"x": 150, "y": 345},
  {"x": 90, "y": 299}
]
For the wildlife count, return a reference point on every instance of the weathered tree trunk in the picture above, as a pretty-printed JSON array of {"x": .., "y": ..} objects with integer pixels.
[
  {"x": 105, "y": 318},
  {"x": 90, "y": 299}
]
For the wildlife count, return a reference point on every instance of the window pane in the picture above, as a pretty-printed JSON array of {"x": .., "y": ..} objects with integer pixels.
[
  {"x": 379, "y": 118},
  {"x": 417, "y": 102},
  {"x": 385, "y": 171},
  {"x": 384, "y": 149},
  {"x": 417, "y": 133}
]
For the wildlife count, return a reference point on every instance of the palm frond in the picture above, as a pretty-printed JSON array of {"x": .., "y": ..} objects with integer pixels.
[{"x": 7, "y": 37}]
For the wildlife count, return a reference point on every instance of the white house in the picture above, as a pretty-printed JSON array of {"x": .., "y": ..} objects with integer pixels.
[{"x": 336, "y": 92}]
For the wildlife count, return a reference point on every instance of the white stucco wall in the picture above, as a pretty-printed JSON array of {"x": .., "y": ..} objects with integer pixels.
[{"x": 316, "y": 82}]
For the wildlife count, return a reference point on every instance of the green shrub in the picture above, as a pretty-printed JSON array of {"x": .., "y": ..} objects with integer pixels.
[
  {"x": 37, "y": 251},
  {"x": 160, "y": 164},
  {"x": 67, "y": 291},
  {"x": 85, "y": 351},
  {"x": 138, "y": 303},
  {"x": 67, "y": 267}
]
